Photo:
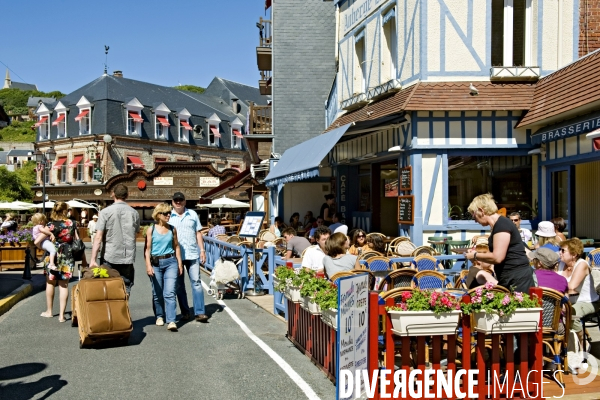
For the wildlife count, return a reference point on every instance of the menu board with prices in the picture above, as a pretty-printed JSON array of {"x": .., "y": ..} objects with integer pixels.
[{"x": 406, "y": 206}]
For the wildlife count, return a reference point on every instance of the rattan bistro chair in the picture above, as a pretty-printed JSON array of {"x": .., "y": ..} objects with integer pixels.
[
  {"x": 430, "y": 280},
  {"x": 554, "y": 339},
  {"x": 426, "y": 263},
  {"x": 401, "y": 278},
  {"x": 378, "y": 263}
]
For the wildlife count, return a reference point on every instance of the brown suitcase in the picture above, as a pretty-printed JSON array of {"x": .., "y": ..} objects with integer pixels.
[
  {"x": 102, "y": 311},
  {"x": 73, "y": 310}
]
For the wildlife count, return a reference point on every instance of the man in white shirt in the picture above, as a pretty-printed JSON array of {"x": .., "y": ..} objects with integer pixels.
[
  {"x": 313, "y": 257},
  {"x": 525, "y": 233},
  {"x": 337, "y": 225}
]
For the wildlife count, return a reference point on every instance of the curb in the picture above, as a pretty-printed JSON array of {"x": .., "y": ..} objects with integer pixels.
[{"x": 13, "y": 298}]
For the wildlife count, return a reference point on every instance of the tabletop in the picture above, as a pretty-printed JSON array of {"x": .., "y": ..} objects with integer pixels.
[{"x": 460, "y": 250}]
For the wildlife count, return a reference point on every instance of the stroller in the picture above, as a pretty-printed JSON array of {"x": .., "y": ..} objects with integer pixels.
[{"x": 225, "y": 279}]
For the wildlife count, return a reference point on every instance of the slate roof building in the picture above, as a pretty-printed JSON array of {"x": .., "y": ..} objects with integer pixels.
[
  {"x": 10, "y": 84},
  {"x": 432, "y": 92},
  {"x": 155, "y": 139}
]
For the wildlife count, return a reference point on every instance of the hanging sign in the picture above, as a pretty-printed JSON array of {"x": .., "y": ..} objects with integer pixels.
[{"x": 406, "y": 179}]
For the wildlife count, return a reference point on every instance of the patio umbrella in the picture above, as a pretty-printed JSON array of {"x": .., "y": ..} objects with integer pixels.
[
  {"x": 13, "y": 207},
  {"x": 225, "y": 202},
  {"x": 23, "y": 204},
  {"x": 49, "y": 204},
  {"x": 78, "y": 204}
]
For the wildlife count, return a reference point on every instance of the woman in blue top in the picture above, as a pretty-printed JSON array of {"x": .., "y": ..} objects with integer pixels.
[{"x": 163, "y": 265}]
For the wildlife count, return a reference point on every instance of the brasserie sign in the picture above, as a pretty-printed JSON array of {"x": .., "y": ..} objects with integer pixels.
[{"x": 564, "y": 130}]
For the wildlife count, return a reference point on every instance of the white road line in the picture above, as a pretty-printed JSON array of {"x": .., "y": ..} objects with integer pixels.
[{"x": 297, "y": 379}]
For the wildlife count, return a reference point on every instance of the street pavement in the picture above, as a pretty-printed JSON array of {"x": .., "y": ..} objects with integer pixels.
[{"x": 40, "y": 357}]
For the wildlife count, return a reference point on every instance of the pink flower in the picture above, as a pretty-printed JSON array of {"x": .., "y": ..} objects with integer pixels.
[
  {"x": 489, "y": 285},
  {"x": 489, "y": 295},
  {"x": 505, "y": 300},
  {"x": 479, "y": 291},
  {"x": 519, "y": 296}
]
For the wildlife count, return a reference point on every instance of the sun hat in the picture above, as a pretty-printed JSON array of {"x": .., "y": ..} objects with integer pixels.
[
  {"x": 546, "y": 256},
  {"x": 546, "y": 229}
]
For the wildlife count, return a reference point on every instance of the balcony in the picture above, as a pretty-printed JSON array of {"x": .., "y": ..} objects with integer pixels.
[
  {"x": 264, "y": 84},
  {"x": 264, "y": 50},
  {"x": 260, "y": 120}
]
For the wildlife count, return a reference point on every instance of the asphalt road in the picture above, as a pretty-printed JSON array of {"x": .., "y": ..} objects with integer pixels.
[{"x": 40, "y": 357}]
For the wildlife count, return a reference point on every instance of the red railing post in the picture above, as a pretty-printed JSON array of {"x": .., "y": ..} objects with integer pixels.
[
  {"x": 466, "y": 343},
  {"x": 389, "y": 344},
  {"x": 536, "y": 348},
  {"x": 373, "y": 351}
]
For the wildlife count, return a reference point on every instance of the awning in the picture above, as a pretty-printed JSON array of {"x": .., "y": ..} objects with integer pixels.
[
  {"x": 572, "y": 127},
  {"x": 88, "y": 163},
  {"x": 58, "y": 120},
  {"x": 81, "y": 115},
  {"x": 163, "y": 121},
  {"x": 237, "y": 133},
  {"x": 75, "y": 161},
  {"x": 59, "y": 163},
  {"x": 215, "y": 131},
  {"x": 186, "y": 125},
  {"x": 41, "y": 121},
  {"x": 135, "y": 116},
  {"x": 135, "y": 161},
  {"x": 302, "y": 161}
]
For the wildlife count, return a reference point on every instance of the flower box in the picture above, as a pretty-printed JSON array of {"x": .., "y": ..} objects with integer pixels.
[
  {"x": 275, "y": 282},
  {"x": 424, "y": 323},
  {"x": 329, "y": 316},
  {"x": 311, "y": 306},
  {"x": 521, "y": 321},
  {"x": 293, "y": 293}
]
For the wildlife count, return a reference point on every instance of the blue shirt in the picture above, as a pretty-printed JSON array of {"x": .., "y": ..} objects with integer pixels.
[
  {"x": 162, "y": 244},
  {"x": 187, "y": 224}
]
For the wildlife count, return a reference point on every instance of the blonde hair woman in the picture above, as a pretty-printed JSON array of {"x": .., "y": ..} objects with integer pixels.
[
  {"x": 65, "y": 232},
  {"x": 163, "y": 265},
  {"x": 506, "y": 250}
]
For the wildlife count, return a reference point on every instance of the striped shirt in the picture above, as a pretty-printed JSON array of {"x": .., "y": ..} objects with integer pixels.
[
  {"x": 187, "y": 224},
  {"x": 216, "y": 230}
]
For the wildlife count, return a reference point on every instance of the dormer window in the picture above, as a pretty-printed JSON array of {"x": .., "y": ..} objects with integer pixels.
[
  {"x": 184, "y": 128},
  {"x": 161, "y": 126},
  {"x": 84, "y": 121},
  {"x": 43, "y": 126},
  {"x": 61, "y": 124},
  {"x": 236, "y": 134},
  {"x": 133, "y": 113},
  {"x": 213, "y": 130}
]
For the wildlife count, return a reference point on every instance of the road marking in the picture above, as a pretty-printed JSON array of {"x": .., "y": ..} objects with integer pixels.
[{"x": 287, "y": 368}]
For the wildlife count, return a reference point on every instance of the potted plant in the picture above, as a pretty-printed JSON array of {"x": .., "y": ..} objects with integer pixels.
[
  {"x": 327, "y": 300},
  {"x": 289, "y": 281},
  {"x": 500, "y": 312},
  {"x": 425, "y": 313},
  {"x": 309, "y": 289}
]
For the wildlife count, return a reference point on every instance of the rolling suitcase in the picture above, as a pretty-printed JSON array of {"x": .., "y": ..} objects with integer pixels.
[{"x": 102, "y": 312}]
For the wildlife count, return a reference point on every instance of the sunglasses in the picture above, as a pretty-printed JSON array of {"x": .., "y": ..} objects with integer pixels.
[
  {"x": 166, "y": 213},
  {"x": 361, "y": 236}
]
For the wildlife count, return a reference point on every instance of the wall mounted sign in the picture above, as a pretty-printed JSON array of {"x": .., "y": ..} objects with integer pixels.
[
  {"x": 39, "y": 193},
  {"x": 209, "y": 181},
  {"x": 163, "y": 181},
  {"x": 406, "y": 207},
  {"x": 406, "y": 179},
  {"x": 572, "y": 127},
  {"x": 358, "y": 12},
  {"x": 98, "y": 192}
]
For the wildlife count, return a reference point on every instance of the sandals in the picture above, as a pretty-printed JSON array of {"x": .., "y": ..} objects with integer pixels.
[
  {"x": 62, "y": 320},
  {"x": 46, "y": 315}
]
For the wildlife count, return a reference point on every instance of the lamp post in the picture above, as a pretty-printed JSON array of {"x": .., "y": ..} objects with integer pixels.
[{"x": 45, "y": 160}]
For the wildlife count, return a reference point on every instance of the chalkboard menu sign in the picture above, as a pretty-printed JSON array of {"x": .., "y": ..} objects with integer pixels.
[
  {"x": 406, "y": 178},
  {"x": 406, "y": 206}
]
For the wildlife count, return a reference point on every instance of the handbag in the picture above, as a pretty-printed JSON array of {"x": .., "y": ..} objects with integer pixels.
[{"x": 77, "y": 248}]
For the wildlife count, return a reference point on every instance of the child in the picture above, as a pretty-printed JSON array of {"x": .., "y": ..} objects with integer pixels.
[{"x": 40, "y": 236}]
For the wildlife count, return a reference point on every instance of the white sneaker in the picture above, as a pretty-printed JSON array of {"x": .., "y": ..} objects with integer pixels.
[
  {"x": 160, "y": 321},
  {"x": 172, "y": 327}
]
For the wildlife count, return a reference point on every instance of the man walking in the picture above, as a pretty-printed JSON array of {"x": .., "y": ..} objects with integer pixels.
[
  {"x": 192, "y": 248},
  {"x": 115, "y": 230}
]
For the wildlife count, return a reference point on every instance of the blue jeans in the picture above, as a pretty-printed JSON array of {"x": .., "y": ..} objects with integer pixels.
[
  {"x": 193, "y": 268},
  {"x": 164, "y": 283}
]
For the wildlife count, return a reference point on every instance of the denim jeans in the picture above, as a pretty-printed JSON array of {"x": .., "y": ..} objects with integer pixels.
[
  {"x": 164, "y": 283},
  {"x": 193, "y": 268}
]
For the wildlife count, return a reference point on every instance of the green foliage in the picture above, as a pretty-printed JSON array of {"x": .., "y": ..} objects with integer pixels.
[
  {"x": 493, "y": 302},
  {"x": 426, "y": 300},
  {"x": 14, "y": 101},
  {"x": 327, "y": 298},
  {"x": 18, "y": 131},
  {"x": 15, "y": 185},
  {"x": 312, "y": 286},
  {"x": 27, "y": 173},
  {"x": 190, "y": 88}
]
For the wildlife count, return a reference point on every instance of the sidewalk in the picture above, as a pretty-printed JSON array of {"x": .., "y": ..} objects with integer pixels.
[{"x": 13, "y": 288}]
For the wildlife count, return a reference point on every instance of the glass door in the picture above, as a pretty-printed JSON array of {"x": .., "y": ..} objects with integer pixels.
[{"x": 560, "y": 195}]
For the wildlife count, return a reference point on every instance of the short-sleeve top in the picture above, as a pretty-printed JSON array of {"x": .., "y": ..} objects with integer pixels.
[
  {"x": 297, "y": 244},
  {"x": 514, "y": 270},
  {"x": 119, "y": 223},
  {"x": 347, "y": 262}
]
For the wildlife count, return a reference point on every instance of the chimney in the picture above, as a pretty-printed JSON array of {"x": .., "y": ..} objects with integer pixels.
[
  {"x": 234, "y": 105},
  {"x": 118, "y": 74}
]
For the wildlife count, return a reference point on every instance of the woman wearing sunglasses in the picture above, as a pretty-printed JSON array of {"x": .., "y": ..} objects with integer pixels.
[
  {"x": 582, "y": 289},
  {"x": 163, "y": 265},
  {"x": 359, "y": 240}
]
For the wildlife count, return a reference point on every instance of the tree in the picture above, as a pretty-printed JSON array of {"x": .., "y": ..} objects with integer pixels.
[
  {"x": 190, "y": 88},
  {"x": 16, "y": 185},
  {"x": 14, "y": 101},
  {"x": 18, "y": 131}
]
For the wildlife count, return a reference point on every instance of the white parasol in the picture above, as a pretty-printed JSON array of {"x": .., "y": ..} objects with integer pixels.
[
  {"x": 49, "y": 204},
  {"x": 225, "y": 202},
  {"x": 78, "y": 204}
]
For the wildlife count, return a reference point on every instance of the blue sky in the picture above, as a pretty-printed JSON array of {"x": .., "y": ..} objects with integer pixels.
[{"x": 59, "y": 45}]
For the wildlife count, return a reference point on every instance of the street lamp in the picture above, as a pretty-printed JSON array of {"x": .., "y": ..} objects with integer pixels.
[{"x": 45, "y": 160}]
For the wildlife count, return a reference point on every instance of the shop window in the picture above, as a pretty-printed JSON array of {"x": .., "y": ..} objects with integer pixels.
[
  {"x": 364, "y": 203},
  {"x": 511, "y": 32},
  {"x": 509, "y": 179},
  {"x": 391, "y": 45}
]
